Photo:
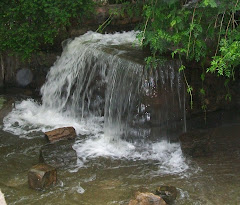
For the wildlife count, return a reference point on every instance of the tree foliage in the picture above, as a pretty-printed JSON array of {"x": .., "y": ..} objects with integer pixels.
[
  {"x": 27, "y": 24},
  {"x": 194, "y": 30}
]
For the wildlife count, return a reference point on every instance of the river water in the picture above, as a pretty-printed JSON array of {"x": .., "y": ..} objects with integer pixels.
[
  {"x": 127, "y": 118},
  {"x": 105, "y": 180}
]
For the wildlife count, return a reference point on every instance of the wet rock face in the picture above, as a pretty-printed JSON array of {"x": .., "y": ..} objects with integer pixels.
[
  {"x": 37, "y": 66},
  {"x": 196, "y": 143},
  {"x": 167, "y": 193},
  {"x": 147, "y": 199},
  {"x": 61, "y": 134},
  {"x": 41, "y": 176},
  {"x": 60, "y": 154}
]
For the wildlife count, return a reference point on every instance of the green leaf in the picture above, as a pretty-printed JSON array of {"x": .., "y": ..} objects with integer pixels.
[
  {"x": 202, "y": 91},
  {"x": 173, "y": 23},
  {"x": 202, "y": 76},
  {"x": 211, "y": 3},
  {"x": 182, "y": 67},
  {"x": 189, "y": 89}
]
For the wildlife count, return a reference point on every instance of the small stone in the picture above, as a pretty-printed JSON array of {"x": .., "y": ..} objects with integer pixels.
[
  {"x": 64, "y": 133},
  {"x": 147, "y": 199},
  {"x": 42, "y": 176},
  {"x": 167, "y": 193}
]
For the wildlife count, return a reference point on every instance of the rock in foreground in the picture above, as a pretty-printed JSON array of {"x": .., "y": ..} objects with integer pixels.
[
  {"x": 59, "y": 154},
  {"x": 167, "y": 193},
  {"x": 147, "y": 199},
  {"x": 41, "y": 176},
  {"x": 64, "y": 133}
]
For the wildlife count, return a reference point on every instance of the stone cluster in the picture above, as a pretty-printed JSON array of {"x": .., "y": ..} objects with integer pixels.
[{"x": 58, "y": 153}]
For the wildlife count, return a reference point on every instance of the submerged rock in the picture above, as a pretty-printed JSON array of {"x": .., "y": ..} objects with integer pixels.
[
  {"x": 59, "y": 154},
  {"x": 16, "y": 181},
  {"x": 42, "y": 176},
  {"x": 63, "y": 133},
  {"x": 196, "y": 143},
  {"x": 147, "y": 199},
  {"x": 168, "y": 193}
]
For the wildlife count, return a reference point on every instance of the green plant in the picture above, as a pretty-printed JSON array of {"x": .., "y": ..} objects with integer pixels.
[
  {"x": 25, "y": 25},
  {"x": 194, "y": 31}
]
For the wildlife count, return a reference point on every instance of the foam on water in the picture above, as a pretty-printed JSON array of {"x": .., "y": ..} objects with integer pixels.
[
  {"x": 110, "y": 39},
  {"x": 167, "y": 155},
  {"x": 28, "y": 117}
]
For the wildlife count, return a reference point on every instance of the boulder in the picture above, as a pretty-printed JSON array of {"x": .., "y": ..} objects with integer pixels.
[
  {"x": 196, "y": 143},
  {"x": 147, "y": 199},
  {"x": 59, "y": 154},
  {"x": 2, "y": 199},
  {"x": 167, "y": 193},
  {"x": 63, "y": 133},
  {"x": 42, "y": 176}
]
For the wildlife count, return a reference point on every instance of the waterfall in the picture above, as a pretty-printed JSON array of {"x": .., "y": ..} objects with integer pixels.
[
  {"x": 94, "y": 77},
  {"x": 100, "y": 86}
]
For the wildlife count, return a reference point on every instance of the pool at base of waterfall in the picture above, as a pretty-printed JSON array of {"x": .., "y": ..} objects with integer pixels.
[{"x": 114, "y": 180}]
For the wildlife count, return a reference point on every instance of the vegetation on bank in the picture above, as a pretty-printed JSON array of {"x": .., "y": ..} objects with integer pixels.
[
  {"x": 26, "y": 26},
  {"x": 205, "y": 31},
  {"x": 202, "y": 31}
]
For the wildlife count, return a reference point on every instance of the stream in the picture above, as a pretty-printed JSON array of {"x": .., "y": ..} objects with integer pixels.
[{"x": 105, "y": 180}]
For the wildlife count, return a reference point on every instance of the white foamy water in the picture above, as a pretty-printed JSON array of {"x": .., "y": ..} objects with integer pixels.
[
  {"x": 29, "y": 117},
  {"x": 85, "y": 82},
  {"x": 167, "y": 155}
]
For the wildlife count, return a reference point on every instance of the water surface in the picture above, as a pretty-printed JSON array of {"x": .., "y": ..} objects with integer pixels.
[{"x": 105, "y": 180}]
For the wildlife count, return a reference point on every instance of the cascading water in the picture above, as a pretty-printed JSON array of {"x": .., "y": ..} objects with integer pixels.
[{"x": 99, "y": 86}]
